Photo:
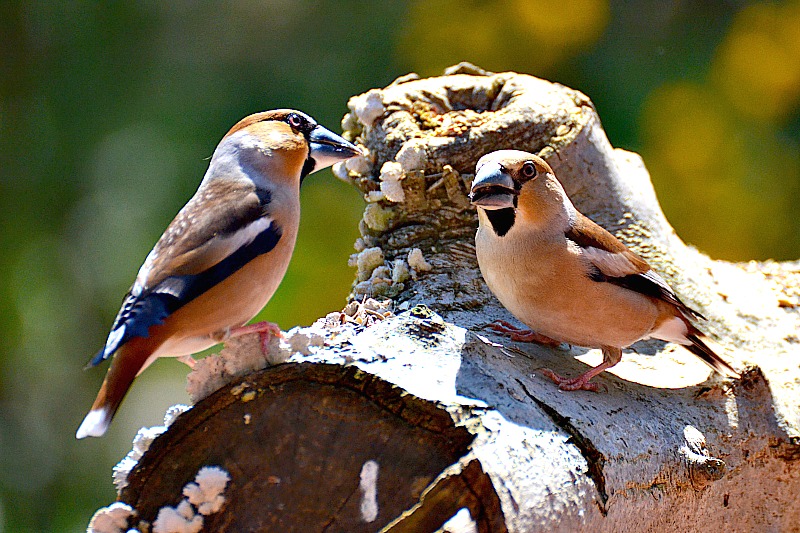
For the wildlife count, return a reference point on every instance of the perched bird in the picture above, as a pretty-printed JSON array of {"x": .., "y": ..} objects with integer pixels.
[
  {"x": 221, "y": 259},
  {"x": 564, "y": 276}
]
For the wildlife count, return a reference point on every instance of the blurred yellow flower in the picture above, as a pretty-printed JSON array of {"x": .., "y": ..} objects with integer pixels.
[
  {"x": 572, "y": 25},
  {"x": 724, "y": 181},
  {"x": 757, "y": 66},
  {"x": 685, "y": 129}
]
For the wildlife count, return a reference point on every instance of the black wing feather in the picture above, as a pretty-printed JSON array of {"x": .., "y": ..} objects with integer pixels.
[
  {"x": 650, "y": 284},
  {"x": 152, "y": 306}
]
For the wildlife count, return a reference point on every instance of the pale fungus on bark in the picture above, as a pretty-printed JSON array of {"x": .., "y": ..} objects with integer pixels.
[
  {"x": 111, "y": 519},
  {"x": 367, "y": 107},
  {"x": 203, "y": 497}
]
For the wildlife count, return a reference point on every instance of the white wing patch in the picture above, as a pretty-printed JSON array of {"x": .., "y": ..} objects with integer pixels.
[
  {"x": 610, "y": 263},
  {"x": 231, "y": 242},
  {"x": 246, "y": 234}
]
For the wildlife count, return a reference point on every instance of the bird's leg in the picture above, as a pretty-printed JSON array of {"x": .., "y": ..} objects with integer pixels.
[
  {"x": 265, "y": 330},
  {"x": 188, "y": 360},
  {"x": 611, "y": 356},
  {"x": 579, "y": 383},
  {"x": 521, "y": 334}
]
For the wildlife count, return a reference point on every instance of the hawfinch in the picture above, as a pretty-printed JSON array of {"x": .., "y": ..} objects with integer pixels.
[
  {"x": 222, "y": 257},
  {"x": 564, "y": 276}
]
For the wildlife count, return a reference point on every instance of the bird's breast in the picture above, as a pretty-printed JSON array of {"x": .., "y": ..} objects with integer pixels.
[
  {"x": 547, "y": 287},
  {"x": 230, "y": 303}
]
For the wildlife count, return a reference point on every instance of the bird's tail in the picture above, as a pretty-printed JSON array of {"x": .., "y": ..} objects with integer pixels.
[
  {"x": 701, "y": 349},
  {"x": 125, "y": 366}
]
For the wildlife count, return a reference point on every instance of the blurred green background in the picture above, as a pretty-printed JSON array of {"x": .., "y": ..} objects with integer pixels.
[{"x": 108, "y": 114}]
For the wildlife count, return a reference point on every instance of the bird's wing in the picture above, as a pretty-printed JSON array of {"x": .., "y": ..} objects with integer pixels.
[
  {"x": 222, "y": 228},
  {"x": 612, "y": 262}
]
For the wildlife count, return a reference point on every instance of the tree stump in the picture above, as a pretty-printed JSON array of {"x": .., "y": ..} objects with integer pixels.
[{"x": 403, "y": 419}]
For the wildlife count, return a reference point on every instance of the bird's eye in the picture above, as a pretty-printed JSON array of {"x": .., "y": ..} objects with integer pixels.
[
  {"x": 295, "y": 121},
  {"x": 529, "y": 170}
]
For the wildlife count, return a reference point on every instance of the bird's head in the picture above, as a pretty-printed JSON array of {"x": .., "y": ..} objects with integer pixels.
[
  {"x": 282, "y": 144},
  {"x": 512, "y": 183}
]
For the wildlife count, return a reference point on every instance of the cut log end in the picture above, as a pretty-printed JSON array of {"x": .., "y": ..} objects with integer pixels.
[{"x": 315, "y": 447}]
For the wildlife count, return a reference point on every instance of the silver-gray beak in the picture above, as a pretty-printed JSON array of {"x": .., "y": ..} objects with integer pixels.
[
  {"x": 327, "y": 148},
  {"x": 493, "y": 188}
]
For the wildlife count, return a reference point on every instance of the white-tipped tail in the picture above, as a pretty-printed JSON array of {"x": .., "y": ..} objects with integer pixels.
[
  {"x": 95, "y": 424},
  {"x": 680, "y": 331}
]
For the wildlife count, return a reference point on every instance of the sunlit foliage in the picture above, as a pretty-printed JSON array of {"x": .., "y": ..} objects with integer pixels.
[{"x": 529, "y": 35}]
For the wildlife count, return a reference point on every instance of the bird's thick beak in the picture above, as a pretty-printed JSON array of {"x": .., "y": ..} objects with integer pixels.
[
  {"x": 493, "y": 188},
  {"x": 327, "y": 148}
]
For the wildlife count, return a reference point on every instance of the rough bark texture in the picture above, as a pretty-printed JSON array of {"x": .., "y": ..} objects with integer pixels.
[
  {"x": 354, "y": 418},
  {"x": 457, "y": 417}
]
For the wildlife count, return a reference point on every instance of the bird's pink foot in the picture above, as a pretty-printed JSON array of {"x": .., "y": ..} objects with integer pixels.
[
  {"x": 265, "y": 330},
  {"x": 580, "y": 383},
  {"x": 521, "y": 334}
]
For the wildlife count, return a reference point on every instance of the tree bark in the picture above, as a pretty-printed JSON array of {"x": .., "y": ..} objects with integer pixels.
[{"x": 442, "y": 414}]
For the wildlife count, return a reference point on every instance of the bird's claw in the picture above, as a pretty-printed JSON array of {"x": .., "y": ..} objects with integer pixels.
[
  {"x": 567, "y": 384},
  {"x": 265, "y": 330},
  {"x": 521, "y": 334}
]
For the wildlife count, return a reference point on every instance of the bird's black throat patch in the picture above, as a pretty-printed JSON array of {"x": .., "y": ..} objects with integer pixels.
[
  {"x": 501, "y": 219},
  {"x": 308, "y": 168}
]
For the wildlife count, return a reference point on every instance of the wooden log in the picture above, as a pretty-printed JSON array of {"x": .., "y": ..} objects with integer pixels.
[{"x": 454, "y": 416}]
